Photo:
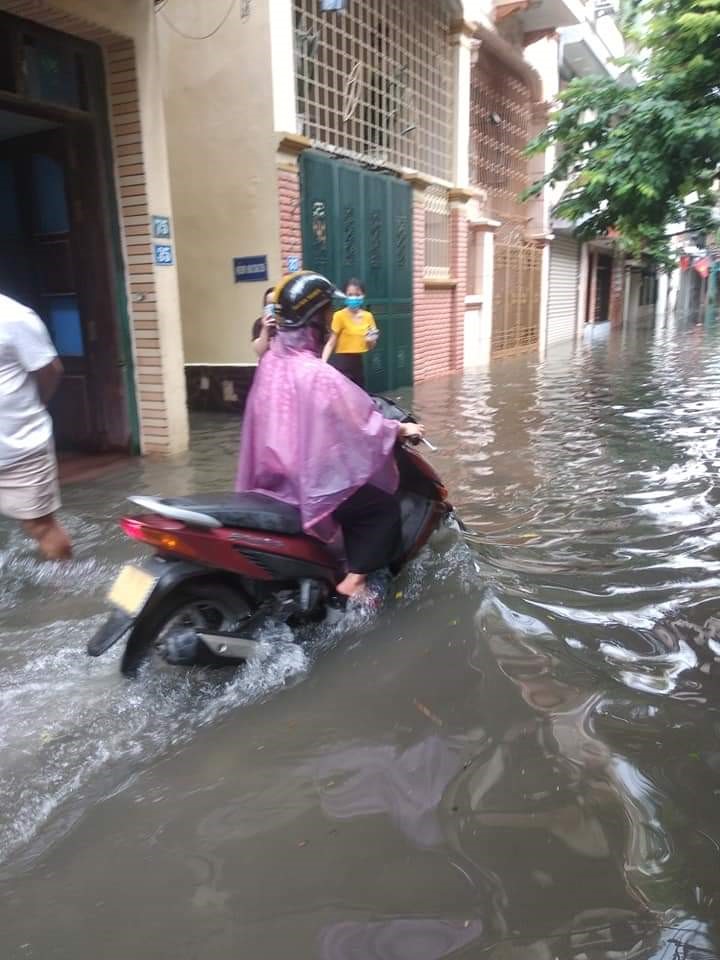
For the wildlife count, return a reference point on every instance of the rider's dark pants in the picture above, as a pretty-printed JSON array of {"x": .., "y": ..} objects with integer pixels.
[{"x": 370, "y": 522}]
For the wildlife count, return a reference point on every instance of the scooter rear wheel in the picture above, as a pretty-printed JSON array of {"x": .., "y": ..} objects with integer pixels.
[{"x": 204, "y": 605}]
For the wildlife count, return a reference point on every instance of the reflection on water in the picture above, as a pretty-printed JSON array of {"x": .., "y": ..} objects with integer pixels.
[{"x": 520, "y": 760}]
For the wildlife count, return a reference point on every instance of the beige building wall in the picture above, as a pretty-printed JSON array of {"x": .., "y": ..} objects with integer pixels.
[
  {"x": 219, "y": 114},
  {"x": 126, "y": 31}
]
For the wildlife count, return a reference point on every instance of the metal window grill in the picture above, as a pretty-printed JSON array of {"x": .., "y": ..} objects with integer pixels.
[
  {"x": 437, "y": 233},
  {"x": 374, "y": 82},
  {"x": 499, "y": 132}
]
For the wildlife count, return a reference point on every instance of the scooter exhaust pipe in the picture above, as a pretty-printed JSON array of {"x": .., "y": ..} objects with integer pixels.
[{"x": 186, "y": 647}]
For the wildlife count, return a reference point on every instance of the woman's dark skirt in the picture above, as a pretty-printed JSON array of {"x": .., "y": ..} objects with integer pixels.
[{"x": 351, "y": 365}]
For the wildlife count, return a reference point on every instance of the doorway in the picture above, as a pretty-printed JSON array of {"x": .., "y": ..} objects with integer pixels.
[
  {"x": 52, "y": 259},
  {"x": 517, "y": 282},
  {"x": 357, "y": 223},
  {"x": 598, "y": 293},
  {"x": 59, "y": 240}
]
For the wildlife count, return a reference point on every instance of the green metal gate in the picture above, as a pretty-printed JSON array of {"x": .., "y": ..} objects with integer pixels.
[{"x": 356, "y": 223}]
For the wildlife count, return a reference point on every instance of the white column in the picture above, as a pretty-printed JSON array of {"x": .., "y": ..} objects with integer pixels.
[
  {"x": 583, "y": 290},
  {"x": 673, "y": 291},
  {"x": 479, "y": 304},
  {"x": 628, "y": 295},
  {"x": 486, "y": 315},
  {"x": 662, "y": 297},
  {"x": 544, "y": 300},
  {"x": 282, "y": 56},
  {"x": 461, "y": 139},
  {"x": 171, "y": 362}
]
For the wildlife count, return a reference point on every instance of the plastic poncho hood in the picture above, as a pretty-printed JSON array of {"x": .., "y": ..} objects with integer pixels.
[{"x": 310, "y": 437}]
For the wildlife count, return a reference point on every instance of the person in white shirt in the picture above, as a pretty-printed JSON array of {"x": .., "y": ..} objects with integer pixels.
[{"x": 30, "y": 372}]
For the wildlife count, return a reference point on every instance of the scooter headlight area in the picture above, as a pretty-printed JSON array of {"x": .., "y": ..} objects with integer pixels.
[{"x": 225, "y": 566}]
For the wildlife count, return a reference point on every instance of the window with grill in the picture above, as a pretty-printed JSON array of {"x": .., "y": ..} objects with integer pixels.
[
  {"x": 437, "y": 233},
  {"x": 374, "y": 82},
  {"x": 499, "y": 133}
]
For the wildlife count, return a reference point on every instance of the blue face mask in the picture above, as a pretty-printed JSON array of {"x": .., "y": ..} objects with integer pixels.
[{"x": 354, "y": 303}]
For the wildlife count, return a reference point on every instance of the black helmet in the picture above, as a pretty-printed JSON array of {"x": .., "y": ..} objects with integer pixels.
[{"x": 301, "y": 298}]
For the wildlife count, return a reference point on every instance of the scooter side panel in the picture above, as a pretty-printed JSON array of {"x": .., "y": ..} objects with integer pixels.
[{"x": 231, "y": 549}]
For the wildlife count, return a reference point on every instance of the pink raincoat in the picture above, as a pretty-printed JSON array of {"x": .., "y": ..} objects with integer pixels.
[{"x": 310, "y": 437}]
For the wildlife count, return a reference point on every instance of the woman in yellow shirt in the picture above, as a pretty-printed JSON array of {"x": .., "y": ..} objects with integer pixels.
[{"x": 353, "y": 333}]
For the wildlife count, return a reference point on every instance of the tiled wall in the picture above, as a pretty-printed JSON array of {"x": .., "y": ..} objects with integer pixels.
[
  {"x": 290, "y": 231},
  {"x": 438, "y": 313}
]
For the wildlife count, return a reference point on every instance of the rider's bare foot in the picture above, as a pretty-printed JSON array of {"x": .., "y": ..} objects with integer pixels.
[{"x": 352, "y": 585}]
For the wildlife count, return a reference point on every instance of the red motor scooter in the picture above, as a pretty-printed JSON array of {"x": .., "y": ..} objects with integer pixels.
[{"x": 224, "y": 565}]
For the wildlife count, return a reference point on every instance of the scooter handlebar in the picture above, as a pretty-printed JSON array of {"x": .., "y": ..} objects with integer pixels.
[
  {"x": 416, "y": 441},
  {"x": 392, "y": 411}
]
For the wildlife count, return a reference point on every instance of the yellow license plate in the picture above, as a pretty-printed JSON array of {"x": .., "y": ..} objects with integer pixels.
[{"x": 131, "y": 589}]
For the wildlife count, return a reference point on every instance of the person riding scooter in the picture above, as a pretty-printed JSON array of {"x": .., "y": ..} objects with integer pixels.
[{"x": 315, "y": 440}]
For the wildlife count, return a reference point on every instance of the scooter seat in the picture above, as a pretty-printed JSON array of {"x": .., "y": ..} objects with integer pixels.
[{"x": 253, "y": 511}]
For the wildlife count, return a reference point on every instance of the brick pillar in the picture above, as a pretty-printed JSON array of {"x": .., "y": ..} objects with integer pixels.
[
  {"x": 439, "y": 304},
  {"x": 290, "y": 230},
  {"x": 288, "y": 180},
  {"x": 153, "y": 304}
]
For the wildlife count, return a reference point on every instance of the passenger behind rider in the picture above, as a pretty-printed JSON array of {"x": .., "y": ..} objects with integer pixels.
[{"x": 326, "y": 449}]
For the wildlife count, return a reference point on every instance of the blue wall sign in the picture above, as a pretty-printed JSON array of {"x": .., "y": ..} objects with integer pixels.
[
  {"x": 161, "y": 227},
  {"x": 248, "y": 269},
  {"x": 163, "y": 254},
  {"x": 331, "y": 6},
  {"x": 293, "y": 264}
]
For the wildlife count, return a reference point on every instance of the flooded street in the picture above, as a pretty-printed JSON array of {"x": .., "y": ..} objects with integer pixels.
[{"x": 519, "y": 759}]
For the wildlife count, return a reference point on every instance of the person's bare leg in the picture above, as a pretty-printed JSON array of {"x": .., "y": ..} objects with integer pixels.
[
  {"x": 352, "y": 584},
  {"x": 50, "y": 536}
]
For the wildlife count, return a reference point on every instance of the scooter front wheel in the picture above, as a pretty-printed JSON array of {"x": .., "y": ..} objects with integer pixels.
[{"x": 202, "y": 606}]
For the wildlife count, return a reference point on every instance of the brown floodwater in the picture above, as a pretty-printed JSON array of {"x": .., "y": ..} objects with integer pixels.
[{"x": 518, "y": 759}]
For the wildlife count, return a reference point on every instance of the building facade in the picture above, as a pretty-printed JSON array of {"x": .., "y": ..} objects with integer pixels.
[
  {"x": 380, "y": 139},
  {"x": 508, "y": 238},
  {"x": 83, "y": 170},
  {"x": 165, "y": 161},
  {"x": 335, "y": 148},
  {"x": 587, "y": 282}
]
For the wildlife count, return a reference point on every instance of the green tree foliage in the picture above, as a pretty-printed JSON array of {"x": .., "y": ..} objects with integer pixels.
[{"x": 630, "y": 153}]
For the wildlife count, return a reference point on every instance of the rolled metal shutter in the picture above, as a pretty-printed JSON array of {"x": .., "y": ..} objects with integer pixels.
[{"x": 563, "y": 292}]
